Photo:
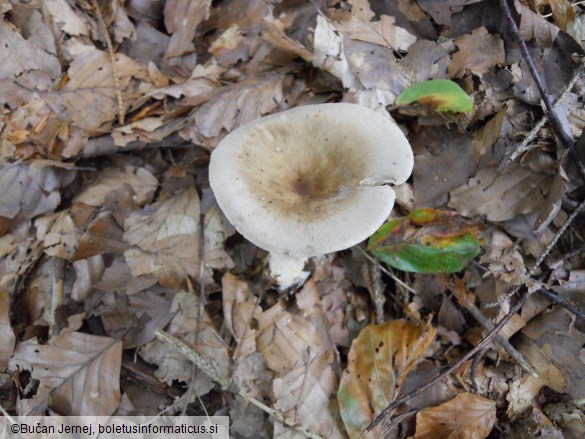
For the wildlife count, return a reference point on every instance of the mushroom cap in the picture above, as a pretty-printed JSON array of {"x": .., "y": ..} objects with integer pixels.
[{"x": 310, "y": 180}]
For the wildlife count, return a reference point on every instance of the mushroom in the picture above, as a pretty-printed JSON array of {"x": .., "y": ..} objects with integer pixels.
[{"x": 310, "y": 180}]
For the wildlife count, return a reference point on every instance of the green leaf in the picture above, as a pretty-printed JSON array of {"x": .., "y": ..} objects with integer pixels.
[
  {"x": 378, "y": 362},
  {"x": 443, "y": 255},
  {"x": 426, "y": 241},
  {"x": 441, "y": 94}
]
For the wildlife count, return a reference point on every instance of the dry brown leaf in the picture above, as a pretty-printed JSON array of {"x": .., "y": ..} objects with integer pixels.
[
  {"x": 383, "y": 32},
  {"x": 379, "y": 361},
  {"x": 103, "y": 235},
  {"x": 57, "y": 232},
  {"x": 25, "y": 62},
  {"x": 275, "y": 35},
  {"x": 239, "y": 308},
  {"x": 524, "y": 390},
  {"x": 164, "y": 239},
  {"x": 89, "y": 99},
  {"x": 286, "y": 340},
  {"x": 182, "y": 17},
  {"x": 140, "y": 179},
  {"x": 467, "y": 416},
  {"x": 477, "y": 53},
  {"x": 200, "y": 335},
  {"x": 488, "y": 135},
  {"x": 65, "y": 17},
  {"x": 79, "y": 374},
  {"x": 28, "y": 192},
  {"x": 236, "y": 105},
  {"x": 500, "y": 197},
  {"x": 305, "y": 395},
  {"x": 7, "y": 338}
]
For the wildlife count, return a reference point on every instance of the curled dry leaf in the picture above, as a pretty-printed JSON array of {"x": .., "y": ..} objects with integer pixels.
[
  {"x": 79, "y": 374},
  {"x": 378, "y": 362},
  {"x": 467, "y": 416}
]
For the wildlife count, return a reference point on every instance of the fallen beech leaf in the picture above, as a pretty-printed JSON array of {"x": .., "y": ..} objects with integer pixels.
[
  {"x": 467, "y": 416},
  {"x": 477, "y": 52},
  {"x": 79, "y": 374},
  {"x": 6, "y": 334},
  {"x": 441, "y": 94},
  {"x": 103, "y": 235},
  {"x": 304, "y": 394},
  {"x": 426, "y": 241},
  {"x": 378, "y": 362},
  {"x": 164, "y": 239},
  {"x": 140, "y": 179},
  {"x": 57, "y": 231}
]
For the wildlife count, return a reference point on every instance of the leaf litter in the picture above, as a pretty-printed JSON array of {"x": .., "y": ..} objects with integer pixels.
[{"x": 110, "y": 232}]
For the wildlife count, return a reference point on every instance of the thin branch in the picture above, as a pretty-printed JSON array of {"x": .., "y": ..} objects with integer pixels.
[
  {"x": 511, "y": 350},
  {"x": 225, "y": 382},
  {"x": 486, "y": 340},
  {"x": 526, "y": 145},
  {"x": 564, "y": 138},
  {"x": 544, "y": 254},
  {"x": 562, "y": 302}
]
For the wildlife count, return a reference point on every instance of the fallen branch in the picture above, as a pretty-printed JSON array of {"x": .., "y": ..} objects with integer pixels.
[
  {"x": 565, "y": 139},
  {"x": 526, "y": 145},
  {"x": 226, "y": 382},
  {"x": 486, "y": 340}
]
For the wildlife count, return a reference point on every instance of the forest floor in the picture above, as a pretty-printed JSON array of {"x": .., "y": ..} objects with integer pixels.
[{"x": 120, "y": 277}]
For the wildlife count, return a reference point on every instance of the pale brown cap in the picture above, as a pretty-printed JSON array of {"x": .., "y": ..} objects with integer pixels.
[{"x": 310, "y": 180}]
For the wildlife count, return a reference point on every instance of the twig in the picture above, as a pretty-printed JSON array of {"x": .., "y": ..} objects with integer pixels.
[
  {"x": 511, "y": 350},
  {"x": 486, "y": 340},
  {"x": 526, "y": 146},
  {"x": 544, "y": 254},
  {"x": 200, "y": 362},
  {"x": 225, "y": 382},
  {"x": 562, "y": 302},
  {"x": 373, "y": 273},
  {"x": 388, "y": 272},
  {"x": 279, "y": 416},
  {"x": 565, "y": 139},
  {"x": 473, "y": 371},
  {"x": 115, "y": 75}
]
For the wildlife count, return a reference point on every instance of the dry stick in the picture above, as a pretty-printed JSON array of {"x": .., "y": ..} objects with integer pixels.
[
  {"x": 525, "y": 146},
  {"x": 562, "y": 302},
  {"x": 544, "y": 254},
  {"x": 210, "y": 370},
  {"x": 98, "y": 13},
  {"x": 566, "y": 141},
  {"x": 372, "y": 270},
  {"x": 486, "y": 340},
  {"x": 511, "y": 350}
]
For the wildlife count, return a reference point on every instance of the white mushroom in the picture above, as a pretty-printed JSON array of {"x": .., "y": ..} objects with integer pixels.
[{"x": 310, "y": 180}]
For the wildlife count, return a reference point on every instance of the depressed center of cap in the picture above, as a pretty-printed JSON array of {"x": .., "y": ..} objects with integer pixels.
[{"x": 307, "y": 181}]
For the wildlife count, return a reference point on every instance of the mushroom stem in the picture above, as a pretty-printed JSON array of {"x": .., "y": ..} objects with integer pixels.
[{"x": 287, "y": 270}]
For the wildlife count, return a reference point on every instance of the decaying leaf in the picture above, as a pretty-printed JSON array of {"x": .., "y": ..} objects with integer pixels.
[
  {"x": 79, "y": 374},
  {"x": 378, "y": 362},
  {"x": 467, "y": 416},
  {"x": 426, "y": 241}
]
